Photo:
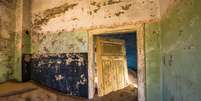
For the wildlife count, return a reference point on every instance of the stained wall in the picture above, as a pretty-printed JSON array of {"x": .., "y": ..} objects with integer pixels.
[
  {"x": 181, "y": 49},
  {"x": 7, "y": 33},
  {"x": 61, "y": 27},
  {"x": 60, "y": 62},
  {"x": 51, "y": 17},
  {"x": 152, "y": 61},
  {"x": 22, "y": 38}
]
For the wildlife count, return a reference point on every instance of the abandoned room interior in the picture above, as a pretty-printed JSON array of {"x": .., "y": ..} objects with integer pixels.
[{"x": 100, "y": 50}]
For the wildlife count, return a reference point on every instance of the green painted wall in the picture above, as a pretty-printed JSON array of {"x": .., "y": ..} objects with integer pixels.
[
  {"x": 62, "y": 42},
  {"x": 22, "y": 35},
  {"x": 152, "y": 61},
  {"x": 7, "y": 28},
  {"x": 181, "y": 52}
]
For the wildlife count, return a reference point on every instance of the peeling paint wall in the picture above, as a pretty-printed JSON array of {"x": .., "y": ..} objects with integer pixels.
[
  {"x": 60, "y": 62},
  {"x": 51, "y": 19},
  {"x": 69, "y": 15},
  {"x": 7, "y": 33},
  {"x": 67, "y": 73},
  {"x": 62, "y": 42},
  {"x": 181, "y": 49},
  {"x": 56, "y": 26}
]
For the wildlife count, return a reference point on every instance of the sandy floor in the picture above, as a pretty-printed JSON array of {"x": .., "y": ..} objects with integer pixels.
[{"x": 45, "y": 94}]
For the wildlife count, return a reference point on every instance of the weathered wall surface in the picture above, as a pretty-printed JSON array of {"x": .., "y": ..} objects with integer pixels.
[
  {"x": 22, "y": 35},
  {"x": 62, "y": 42},
  {"x": 15, "y": 20},
  {"x": 181, "y": 49},
  {"x": 67, "y": 73},
  {"x": 65, "y": 16},
  {"x": 7, "y": 33},
  {"x": 164, "y": 6},
  {"x": 74, "y": 14},
  {"x": 55, "y": 24},
  {"x": 152, "y": 60}
]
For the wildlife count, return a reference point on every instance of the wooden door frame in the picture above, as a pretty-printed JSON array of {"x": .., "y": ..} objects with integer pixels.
[{"x": 139, "y": 29}]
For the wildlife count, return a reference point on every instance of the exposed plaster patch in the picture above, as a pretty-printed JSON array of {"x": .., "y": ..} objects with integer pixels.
[{"x": 92, "y": 13}]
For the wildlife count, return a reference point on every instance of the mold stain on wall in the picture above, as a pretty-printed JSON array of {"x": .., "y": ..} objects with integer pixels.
[
  {"x": 7, "y": 28},
  {"x": 91, "y": 14},
  {"x": 52, "y": 13}
]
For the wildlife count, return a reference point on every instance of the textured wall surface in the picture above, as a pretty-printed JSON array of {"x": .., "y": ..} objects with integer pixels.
[
  {"x": 64, "y": 72},
  {"x": 63, "y": 42},
  {"x": 22, "y": 35},
  {"x": 51, "y": 19},
  {"x": 164, "y": 6},
  {"x": 7, "y": 33},
  {"x": 54, "y": 21},
  {"x": 152, "y": 60},
  {"x": 69, "y": 15},
  {"x": 181, "y": 49}
]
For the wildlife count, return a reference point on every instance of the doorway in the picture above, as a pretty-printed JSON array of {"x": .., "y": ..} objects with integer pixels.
[
  {"x": 138, "y": 30},
  {"x": 110, "y": 65}
]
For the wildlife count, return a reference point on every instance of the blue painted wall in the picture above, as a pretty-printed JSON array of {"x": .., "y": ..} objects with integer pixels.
[
  {"x": 131, "y": 46},
  {"x": 66, "y": 72}
]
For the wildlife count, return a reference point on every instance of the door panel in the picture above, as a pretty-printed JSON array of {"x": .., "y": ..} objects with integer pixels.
[{"x": 111, "y": 65}]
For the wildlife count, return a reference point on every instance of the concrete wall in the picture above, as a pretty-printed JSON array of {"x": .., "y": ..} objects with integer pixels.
[
  {"x": 7, "y": 33},
  {"x": 181, "y": 49}
]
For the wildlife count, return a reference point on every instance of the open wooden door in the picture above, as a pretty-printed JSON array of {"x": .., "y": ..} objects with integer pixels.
[{"x": 111, "y": 65}]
